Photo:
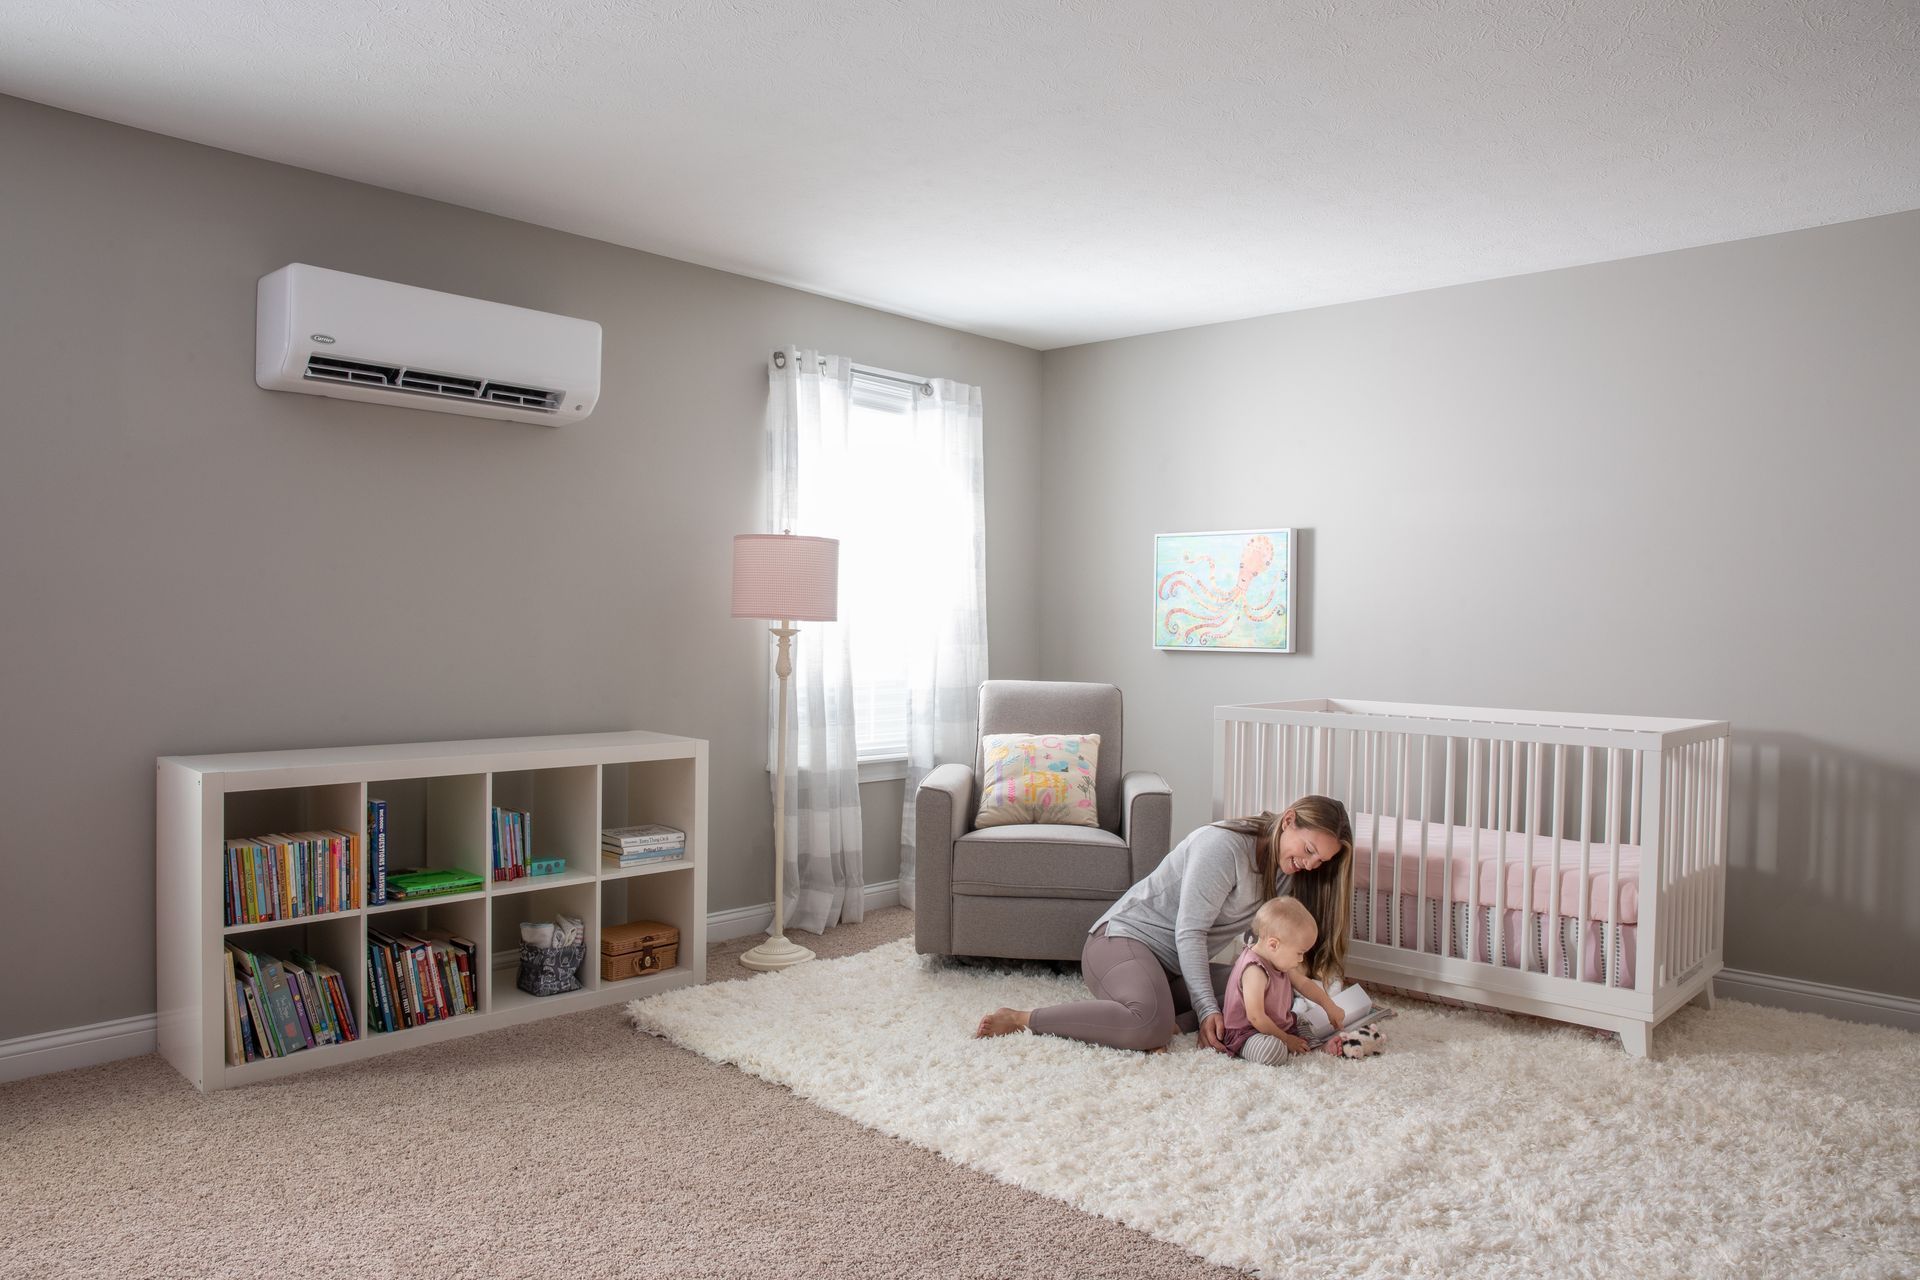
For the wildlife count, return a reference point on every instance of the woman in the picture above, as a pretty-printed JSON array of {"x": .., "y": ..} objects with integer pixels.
[{"x": 1146, "y": 959}]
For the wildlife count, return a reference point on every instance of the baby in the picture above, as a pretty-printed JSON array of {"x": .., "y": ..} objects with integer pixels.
[{"x": 1258, "y": 1009}]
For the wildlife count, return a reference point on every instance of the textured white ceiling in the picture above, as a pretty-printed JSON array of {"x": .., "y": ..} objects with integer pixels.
[{"x": 1050, "y": 173}]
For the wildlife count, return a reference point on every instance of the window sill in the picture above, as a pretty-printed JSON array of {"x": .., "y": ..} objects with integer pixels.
[
  {"x": 878, "y": 769},
  {"x": 883, "y": 769}
]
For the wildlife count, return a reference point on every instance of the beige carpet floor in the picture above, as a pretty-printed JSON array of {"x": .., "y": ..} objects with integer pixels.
[{"x": 574, "y": 1147}]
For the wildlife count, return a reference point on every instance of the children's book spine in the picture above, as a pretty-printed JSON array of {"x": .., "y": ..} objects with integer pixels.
[
  {"x": 249, "y": 1043},
  {"x": 342, "y": 1006},
  {"x": 262, "y": 1025},
  {"x": 377, "y": 855},
  {"x": 379, "y": 1010},
  {"x": 305, "y": 1024},
  {"x": 235, "y": 1050},
  {"x": 402, "y": 990}
]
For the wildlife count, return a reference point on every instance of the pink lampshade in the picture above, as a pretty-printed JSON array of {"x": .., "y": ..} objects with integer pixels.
[{"x": 786, "y": 577}]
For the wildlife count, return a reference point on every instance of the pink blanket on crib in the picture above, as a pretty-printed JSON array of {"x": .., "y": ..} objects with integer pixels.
[{"x": 1528, "y": 859}]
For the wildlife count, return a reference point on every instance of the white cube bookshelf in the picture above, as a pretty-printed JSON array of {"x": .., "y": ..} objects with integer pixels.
[{"x": 439, "y": 796}]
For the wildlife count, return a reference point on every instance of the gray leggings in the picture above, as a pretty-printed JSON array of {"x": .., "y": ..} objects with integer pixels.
[{"x": 1136, "y": 1003}]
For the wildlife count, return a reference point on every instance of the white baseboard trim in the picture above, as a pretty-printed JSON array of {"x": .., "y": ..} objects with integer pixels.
[
  {"x": 1845, "y": 1003},
  {"x": 744, "y": 922},
  {"x": 130, "y": 1037},
  {"x": 78, "y": 1047}
]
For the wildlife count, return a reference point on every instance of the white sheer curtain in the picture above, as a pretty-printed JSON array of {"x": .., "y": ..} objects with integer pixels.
[
  {"x": 806, "y": 451},
  {"x": 947, "y": 599}
]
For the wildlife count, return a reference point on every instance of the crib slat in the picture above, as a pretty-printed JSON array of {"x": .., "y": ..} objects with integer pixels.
[
  {"x": 1683, "y": 801},
  {"x": 1684, "y": 886},
  {"x": 1556, "y": 962},
  {"x": 1528, "y": 918},
  {"x": 1633, "y": 814},
  {"x": 1446, "y": 867},
  {"x": 1610, "y": 958},
  {"x": 1394, "y": 935},
  {"x": 1353, "y": 757},
  {"x": 1710, "y": 810},
  {"x": 1700, "y": 862},
  {"x": 1503, "y": 764},
  {"x": 1420, "y": 925},
  {"x": 1476, "y": 805},
  {"x": 1586, "y": 862}
]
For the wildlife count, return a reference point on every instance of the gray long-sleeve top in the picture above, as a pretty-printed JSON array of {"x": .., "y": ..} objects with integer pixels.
[{"x": 1202, "y": 896}]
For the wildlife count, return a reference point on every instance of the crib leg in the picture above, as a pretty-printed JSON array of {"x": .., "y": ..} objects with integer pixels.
[
  {"x": 1704, "y": 996},
  {"x": 1636, "y": 1038}
]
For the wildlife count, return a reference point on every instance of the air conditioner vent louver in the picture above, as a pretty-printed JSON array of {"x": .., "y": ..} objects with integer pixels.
[
  {"x": 527, "y": 397},
  {"x": 377, "y": 375},
  {"x": 439, "y": 384},
  {"x": 424, "y": 383}
]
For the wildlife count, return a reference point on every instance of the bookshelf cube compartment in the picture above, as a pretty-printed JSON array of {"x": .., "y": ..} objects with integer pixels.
[
  {"x": 465, "y": 917},
  {"x": 251, "y": 815},
  {"x": 669, "y": 897},
  {"x": 540, "y": 906},
  {"x": 651, "y": 791},
  {"x": 334, "y": 943},
  {"x": 436, "y": 822},
  {"x": 564, "y": 805}
]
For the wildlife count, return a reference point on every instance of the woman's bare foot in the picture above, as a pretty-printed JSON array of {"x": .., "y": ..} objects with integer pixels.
[{"x": 1001, "y": 1022}]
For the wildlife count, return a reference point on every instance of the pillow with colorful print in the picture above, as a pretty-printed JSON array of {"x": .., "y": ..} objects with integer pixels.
[{"x": 1039, "y": 777}]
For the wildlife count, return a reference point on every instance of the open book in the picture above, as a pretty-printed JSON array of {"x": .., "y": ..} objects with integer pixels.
[{"x": 1310, "y": 1021}]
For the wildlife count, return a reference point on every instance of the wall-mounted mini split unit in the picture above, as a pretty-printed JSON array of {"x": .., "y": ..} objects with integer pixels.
[{"x": 327, "y": 333}]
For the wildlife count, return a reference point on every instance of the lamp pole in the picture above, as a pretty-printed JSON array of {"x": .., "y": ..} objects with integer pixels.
[{"x": 778, "y": 952}]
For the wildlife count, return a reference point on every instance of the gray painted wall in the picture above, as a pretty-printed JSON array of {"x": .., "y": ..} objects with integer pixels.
[
  {"x": 192, "y": 564},
  {"x": 1678, "y": 484}
]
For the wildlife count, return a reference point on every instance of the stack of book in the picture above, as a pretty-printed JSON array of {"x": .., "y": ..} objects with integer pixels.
[
  {"x": 642, "y": 845},
  {"x": 512, "y": 843},
  {"x": 281, "y": 877},
  {"x": 277, "y": 1007},
  {"x": 420, "y": 977}
]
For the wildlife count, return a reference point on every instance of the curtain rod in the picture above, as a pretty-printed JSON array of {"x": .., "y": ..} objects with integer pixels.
[{"x": 925, "y": 387}]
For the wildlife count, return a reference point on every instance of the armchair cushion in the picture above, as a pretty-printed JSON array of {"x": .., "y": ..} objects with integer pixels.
[
  {"x": 1038, "y": 778},
  {"x": 1035, "y": 860}
]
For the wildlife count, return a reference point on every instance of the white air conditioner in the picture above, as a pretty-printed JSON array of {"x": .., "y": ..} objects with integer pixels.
[{"x": 327, "y": 333}]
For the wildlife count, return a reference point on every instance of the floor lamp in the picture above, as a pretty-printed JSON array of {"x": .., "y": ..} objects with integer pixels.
[{"x": 783, "y": 578}]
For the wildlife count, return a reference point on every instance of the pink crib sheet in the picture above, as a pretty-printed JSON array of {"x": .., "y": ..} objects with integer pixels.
[{"x": 1527, "y": 859}]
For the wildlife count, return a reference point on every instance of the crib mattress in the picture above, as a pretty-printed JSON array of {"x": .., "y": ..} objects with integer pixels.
[{"x": 1529, "y": 864}]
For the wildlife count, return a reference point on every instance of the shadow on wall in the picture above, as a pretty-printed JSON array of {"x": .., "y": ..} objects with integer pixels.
[{"x": 1823, "y": 850}]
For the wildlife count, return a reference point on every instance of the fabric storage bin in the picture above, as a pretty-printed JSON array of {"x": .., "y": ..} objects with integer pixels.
[{"x": 550, "y": 971}]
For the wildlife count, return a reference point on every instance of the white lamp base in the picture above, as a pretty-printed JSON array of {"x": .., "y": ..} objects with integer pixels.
[{"x": 777, "y": 952}]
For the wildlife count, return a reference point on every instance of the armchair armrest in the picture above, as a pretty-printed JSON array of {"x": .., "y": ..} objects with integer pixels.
[
  {"x": 942, "y": 807},
  {"x": 1146, "y": 820}
]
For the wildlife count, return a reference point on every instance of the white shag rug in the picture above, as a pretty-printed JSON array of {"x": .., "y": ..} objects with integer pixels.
[{"x": 1756, "y": 1142}]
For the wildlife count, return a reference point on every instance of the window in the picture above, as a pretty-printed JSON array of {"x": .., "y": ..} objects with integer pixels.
[
  {"x": 876, "y": 556},
  {"x": 890, "y": 466}
]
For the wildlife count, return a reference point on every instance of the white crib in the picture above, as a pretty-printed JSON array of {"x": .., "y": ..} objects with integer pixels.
[{"x": 1567, "y": 866}]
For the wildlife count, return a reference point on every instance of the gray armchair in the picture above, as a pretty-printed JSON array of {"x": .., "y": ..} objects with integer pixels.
[{"x": 1031, "y": 892}]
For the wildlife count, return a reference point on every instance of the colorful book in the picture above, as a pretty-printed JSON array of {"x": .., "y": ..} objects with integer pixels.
[{"x": 404, "y": 883}]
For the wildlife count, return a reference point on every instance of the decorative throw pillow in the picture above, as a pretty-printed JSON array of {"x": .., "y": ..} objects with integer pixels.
[{"x": 1039, "y": 778}]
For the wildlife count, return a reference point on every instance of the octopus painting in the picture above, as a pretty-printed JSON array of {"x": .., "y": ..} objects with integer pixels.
[{"x": 1223, "y": 591}]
